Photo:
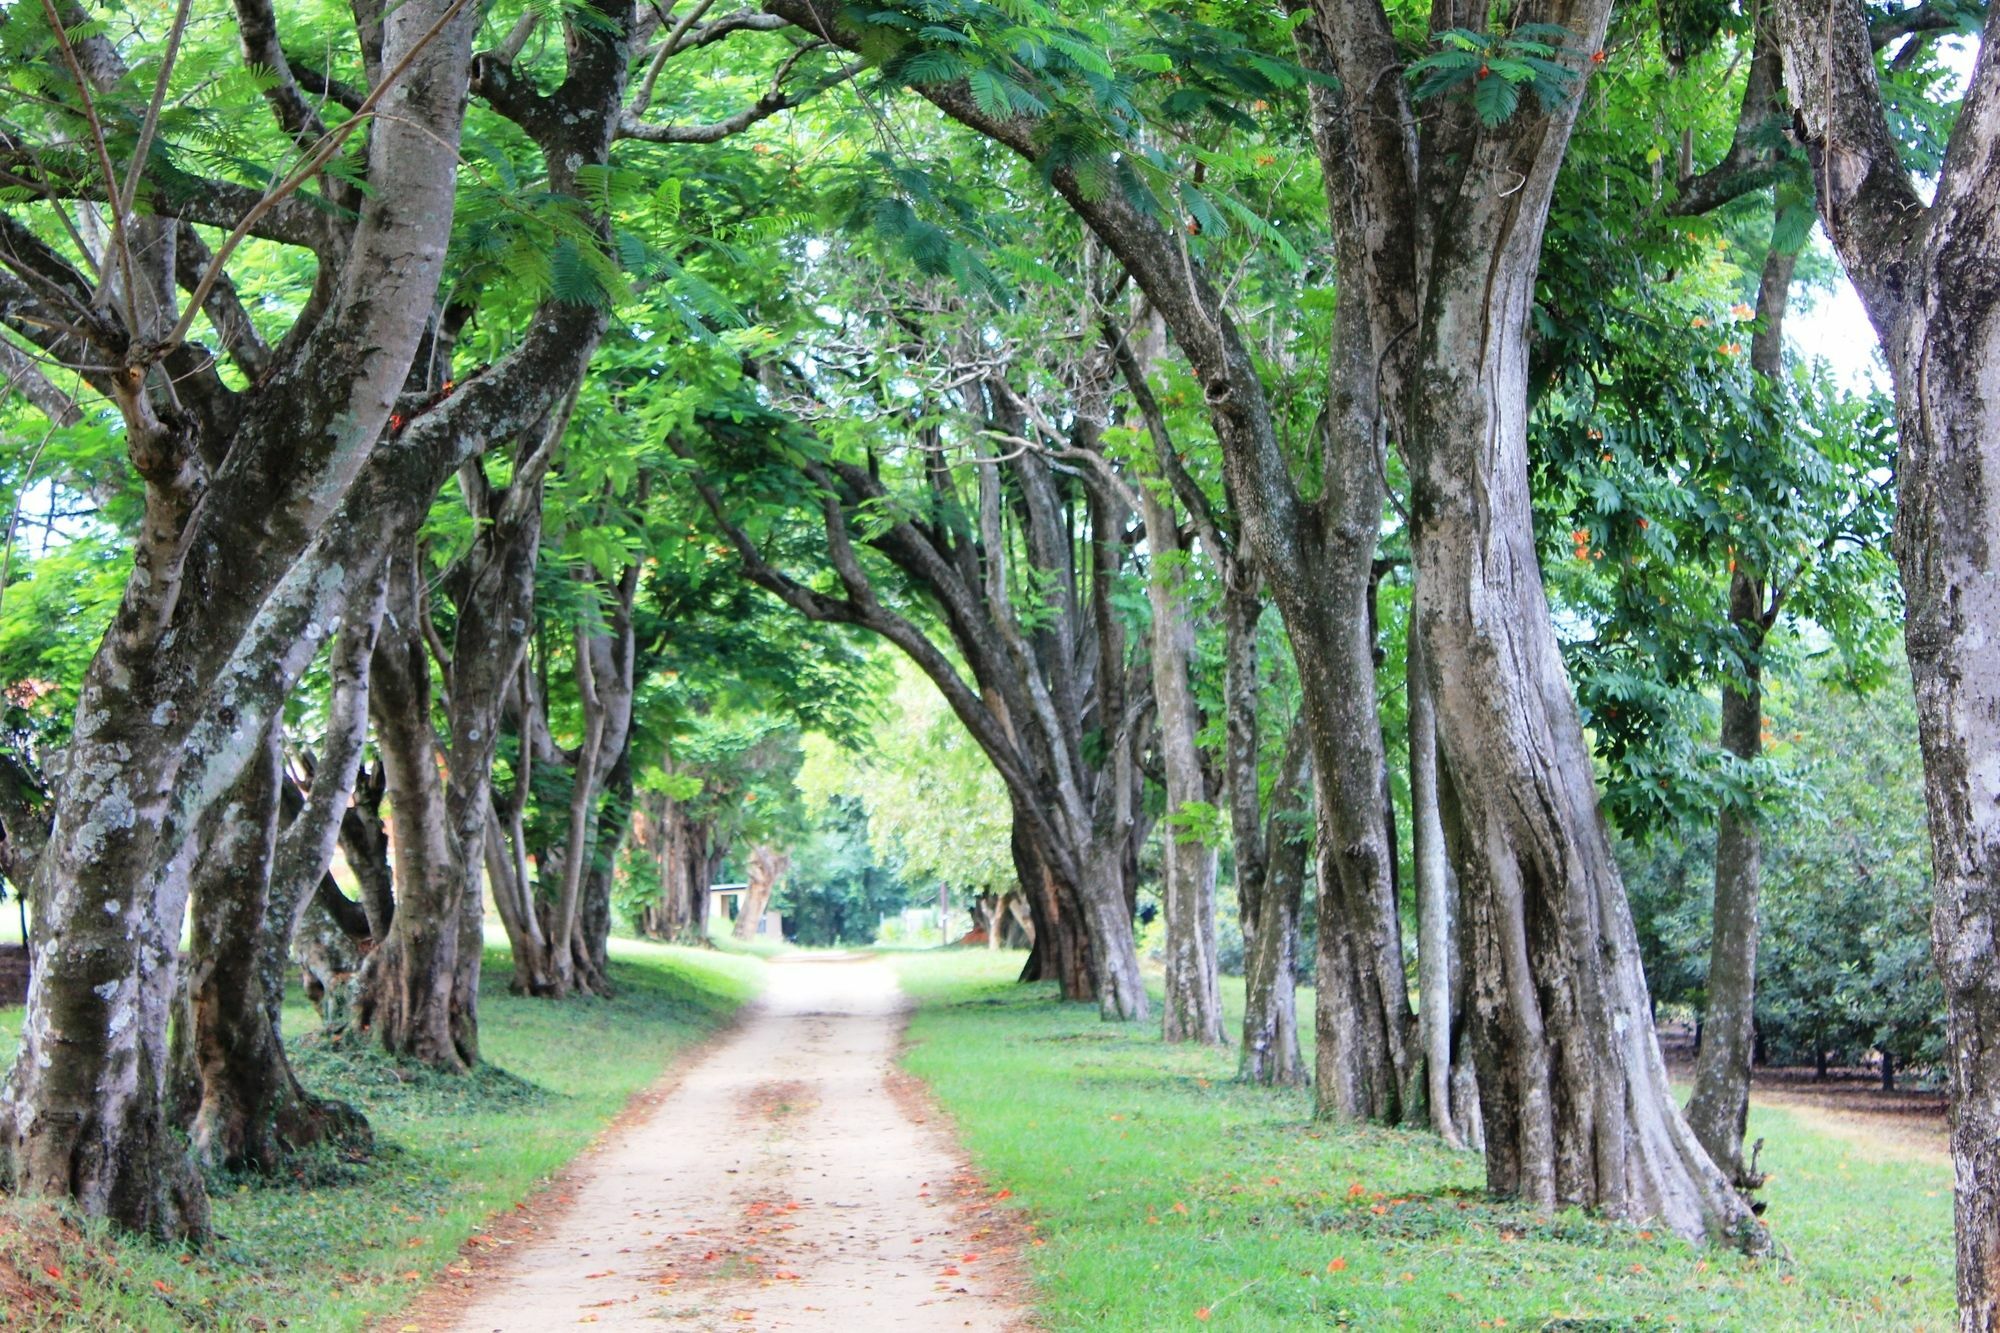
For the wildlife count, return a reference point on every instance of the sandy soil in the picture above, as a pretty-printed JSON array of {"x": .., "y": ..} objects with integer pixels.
[
  {"x": 1848, "y": 1104},
  {"x": 782, "y": 1183}
]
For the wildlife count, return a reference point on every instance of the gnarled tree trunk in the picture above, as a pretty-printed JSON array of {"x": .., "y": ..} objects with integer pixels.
[{"x": 83, "y": 1107}]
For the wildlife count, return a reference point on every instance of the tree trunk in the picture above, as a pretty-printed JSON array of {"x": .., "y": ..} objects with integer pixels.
[
  {"x": 1364, "y": 1064},
  {"x": 1241, "y": 610},
  {"x": 251, "y": 1112},
  {"x": 262, "y": 858},
  {"x": 1193, "y": 979},
  {"x": 409, "y": 982},
  {"x": 1719, "y": 1108},
  {"x": 1061, "y": 948},
  {"x": 593, "y": 935},
  {"x": 1572, "y": 1085},
  {"x": 1435, "y": 891},
  {"x": 1270, "y": 1017},
  {"x": 1925, "y": 274},
  {"x": 364, "y": 845},
  {"x": 767, "y": 866},
  {"x": 1120, "y": 988},
  {"x": 83, "y": 1106}
]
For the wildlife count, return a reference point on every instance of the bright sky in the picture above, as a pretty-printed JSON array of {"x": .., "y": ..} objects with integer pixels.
[{"x": 1835, "y": 327}]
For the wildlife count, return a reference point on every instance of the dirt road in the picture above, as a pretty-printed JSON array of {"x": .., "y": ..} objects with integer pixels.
[{"x": 780, "y": 1185}]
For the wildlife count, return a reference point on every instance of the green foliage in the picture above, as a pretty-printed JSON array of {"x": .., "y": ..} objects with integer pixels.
[
  {"x": 839, "y": 888},
  {"x": 934, "y": 807},
  {"x": 1844, "y": 960},
  {"x": 1492, "y": 69}
]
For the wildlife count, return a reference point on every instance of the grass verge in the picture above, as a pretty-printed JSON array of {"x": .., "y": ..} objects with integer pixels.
[
  {"x": 1165, "y": 1195},
  {"x": 341, "y": 1242}
]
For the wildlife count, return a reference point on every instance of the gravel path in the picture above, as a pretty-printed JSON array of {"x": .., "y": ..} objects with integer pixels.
[{"x": 782, "y": 1184}]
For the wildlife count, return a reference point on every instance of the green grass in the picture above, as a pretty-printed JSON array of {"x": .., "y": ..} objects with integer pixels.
[
  {"x": 1161, "y": 1189},
  {"x": 341, "y": 1243}
]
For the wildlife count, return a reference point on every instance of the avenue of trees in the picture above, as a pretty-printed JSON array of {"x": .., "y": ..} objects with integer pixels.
[{"x": 1331, "y": 476}]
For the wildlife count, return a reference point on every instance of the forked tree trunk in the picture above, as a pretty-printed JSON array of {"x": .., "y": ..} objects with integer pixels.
[
  {"x": 82, "y": 1113},
  {"x": 1193, "y": 978},
  {"x": 1572, "y": 1085},
  {"x": 263, "y": 856},
  {"x": 251, "y": 1112},
  {"x": 364, "y": 845},
  {"x": 1270, "y": 1010}
]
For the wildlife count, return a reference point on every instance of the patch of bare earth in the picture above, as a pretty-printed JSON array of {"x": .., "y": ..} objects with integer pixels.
[
  {"x": 782, "y": 1184},
  {"x": 1847, "y": 1104}
]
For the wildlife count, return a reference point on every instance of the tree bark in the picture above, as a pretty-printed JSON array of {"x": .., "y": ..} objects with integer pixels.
[
  {"x": 1270, "y": 1010},
  {"x": 1193, "y": 978},
  {"x": 83, "y": 1108},
  {"x": 1718, "y": 1110},
  {"x": 251, "y": 1113},
  {"x": 407, "y": 989},
  {"x": 1719, "y": 1107},
  {"x": 263, "y": 856},
  {"x": 1435, "y": 891},
  {"x": 1925, "y": 274},
  {"x": 1061, "y": 948}
]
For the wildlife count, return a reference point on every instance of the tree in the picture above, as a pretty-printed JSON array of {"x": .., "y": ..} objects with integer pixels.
[
  {"x": 1017, "y": 563},
  {"x": 1364, "y": 1059},
  {"x": 170, "y": 703},
  {"x": 1921, "y": 271}
]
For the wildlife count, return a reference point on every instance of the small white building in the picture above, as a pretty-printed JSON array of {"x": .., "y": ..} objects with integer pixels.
[{"x": 725, "y": 903}]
